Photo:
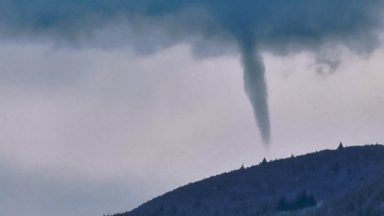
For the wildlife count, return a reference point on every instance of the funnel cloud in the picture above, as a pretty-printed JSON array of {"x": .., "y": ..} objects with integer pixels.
[
  {"x": 256, "y": 87},
  {"x": 247, "y": 26}
]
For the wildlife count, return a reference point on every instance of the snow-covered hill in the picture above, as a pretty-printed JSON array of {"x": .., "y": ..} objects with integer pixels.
[{"x": 346, "y": 181}]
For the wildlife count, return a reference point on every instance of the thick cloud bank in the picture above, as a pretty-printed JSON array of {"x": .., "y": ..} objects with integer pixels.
[{"x": 251, "y": 26}]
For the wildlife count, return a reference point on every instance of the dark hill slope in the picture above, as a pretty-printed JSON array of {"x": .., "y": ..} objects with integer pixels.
[{"x": 330, "y": 182}]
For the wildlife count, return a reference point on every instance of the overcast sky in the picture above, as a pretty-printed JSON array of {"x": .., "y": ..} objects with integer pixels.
[{"x": 91, "y": 129}]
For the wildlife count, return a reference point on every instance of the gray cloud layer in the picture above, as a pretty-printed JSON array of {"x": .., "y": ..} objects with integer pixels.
[
  {"x": 278, "y": 26},
  {"x": 272, "y": 24}
]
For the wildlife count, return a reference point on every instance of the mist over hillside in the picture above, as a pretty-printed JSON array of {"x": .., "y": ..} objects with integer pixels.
[{"x": 345, "y": 181}]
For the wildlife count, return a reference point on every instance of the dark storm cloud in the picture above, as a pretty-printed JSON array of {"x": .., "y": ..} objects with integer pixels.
[
  {"x": 251, "y": 26},
  {"x": 278, "y": 25}
]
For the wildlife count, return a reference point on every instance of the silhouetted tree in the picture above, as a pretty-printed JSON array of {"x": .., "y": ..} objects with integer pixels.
[{"x": 264, "y": 162}]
